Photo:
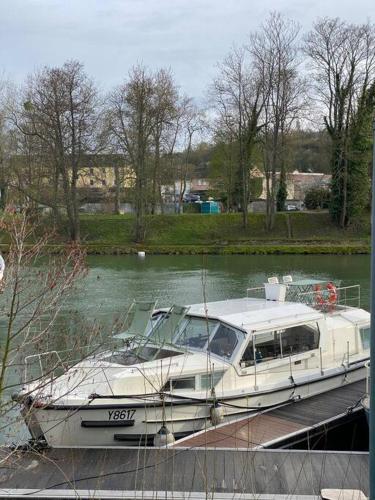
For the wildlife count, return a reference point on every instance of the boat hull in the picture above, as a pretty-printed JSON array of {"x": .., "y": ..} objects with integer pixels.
[{"x": 111, "y": 422}]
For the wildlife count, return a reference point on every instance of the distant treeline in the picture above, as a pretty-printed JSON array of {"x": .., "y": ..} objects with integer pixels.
[{"x": 282, "y": 101}]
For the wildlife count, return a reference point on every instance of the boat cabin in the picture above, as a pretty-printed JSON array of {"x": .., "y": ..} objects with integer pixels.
[{"x": 248, "y": 336}]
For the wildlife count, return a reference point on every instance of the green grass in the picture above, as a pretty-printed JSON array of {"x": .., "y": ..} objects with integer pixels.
[
  {"x": 301, "y": 232},
  {"x": 221, "y": 229}
]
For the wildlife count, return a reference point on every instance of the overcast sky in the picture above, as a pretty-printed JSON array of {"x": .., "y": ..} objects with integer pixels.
[{"x": 109, "y": 36}]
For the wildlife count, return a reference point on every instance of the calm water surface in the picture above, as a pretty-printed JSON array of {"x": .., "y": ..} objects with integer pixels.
[{"x": 113, "y": 282}]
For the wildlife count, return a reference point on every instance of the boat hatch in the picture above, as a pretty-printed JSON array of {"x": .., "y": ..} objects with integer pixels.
[{"x": 140, "y": 354}]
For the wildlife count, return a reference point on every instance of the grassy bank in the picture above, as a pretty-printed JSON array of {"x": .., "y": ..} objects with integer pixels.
[{"x": 294, "y": 233}]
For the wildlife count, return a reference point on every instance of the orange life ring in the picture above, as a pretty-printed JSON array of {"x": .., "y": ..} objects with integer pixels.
[
  {"x": 319, "y": 299},
  {"x": 332, "y": 293}
]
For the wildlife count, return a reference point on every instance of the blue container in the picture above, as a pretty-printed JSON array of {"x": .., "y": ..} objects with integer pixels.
[{"x": 210, "y": 207}]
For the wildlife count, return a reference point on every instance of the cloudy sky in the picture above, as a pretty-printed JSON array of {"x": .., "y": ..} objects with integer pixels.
[{"x": 109, "y": 36}]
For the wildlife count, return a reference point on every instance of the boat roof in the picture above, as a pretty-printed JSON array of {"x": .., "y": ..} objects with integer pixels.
[{"x": 251, "y": 314}]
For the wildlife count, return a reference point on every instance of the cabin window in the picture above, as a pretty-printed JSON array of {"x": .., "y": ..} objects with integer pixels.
[
  {"x": 224, "y": 342},
  {"x": 280, "y": 343},
  {"x": 180, "y": 384},
  {"x": 248, "y": 355},
  {"x": 209, "y": 380},
  {"x": 365, "y": 333},
  {"x": 195, "y": 332},
  {"x": 267, "y": 347},
  {"x": 298, "y": 339}
]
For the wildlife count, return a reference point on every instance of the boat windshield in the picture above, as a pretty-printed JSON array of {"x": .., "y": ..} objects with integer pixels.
[
  {"x": 195, "y": 332},
  {"x": 209, "y": 335}
]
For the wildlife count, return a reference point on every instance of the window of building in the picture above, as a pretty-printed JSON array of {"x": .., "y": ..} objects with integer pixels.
[{"x": 365, "y": 333}]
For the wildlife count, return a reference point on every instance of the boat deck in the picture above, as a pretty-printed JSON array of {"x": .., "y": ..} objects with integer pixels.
[{"x": 284, "y": 424}]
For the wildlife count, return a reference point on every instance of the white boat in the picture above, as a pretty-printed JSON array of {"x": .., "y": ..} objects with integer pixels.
[{"x": 196, "y": 366}]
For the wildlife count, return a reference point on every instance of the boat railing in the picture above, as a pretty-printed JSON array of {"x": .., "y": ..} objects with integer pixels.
[
  {"x": 323, "y": 300},
  {"x": 53, "y": 363},
  {"x": 41, "y": 365}
]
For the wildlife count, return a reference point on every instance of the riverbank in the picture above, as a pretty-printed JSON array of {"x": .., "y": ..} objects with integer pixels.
[
  {"x": 258, "y": 249},
  {"x": 218, "y": 234},
  {"x": 223, "y": 234}
]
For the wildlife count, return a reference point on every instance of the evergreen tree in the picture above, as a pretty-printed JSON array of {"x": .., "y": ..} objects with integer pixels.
[
  {"x": 360, "y": 153},
  {"x": 282, "y": 193}
]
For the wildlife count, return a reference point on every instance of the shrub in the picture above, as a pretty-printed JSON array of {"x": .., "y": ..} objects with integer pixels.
[{"x": 317, "y": 198}]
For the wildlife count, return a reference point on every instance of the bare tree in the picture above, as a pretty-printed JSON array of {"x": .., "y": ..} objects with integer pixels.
[
  {"x": 192, "y": 124},
  {"x": 223, "y": 165},
  {"x": 240, "y": 99},
  {"x": 5, "y": 145},
  {"x": 58, "y": 109},
  {"x": 131, "y": 108},
  {"x": 31, "y": 296},
  {"x": 275, "y": 56},
  {"x": 165, "y": 115},
  {"x": 343, "y": 62}
]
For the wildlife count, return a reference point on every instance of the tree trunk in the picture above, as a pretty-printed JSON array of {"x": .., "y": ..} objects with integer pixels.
[
  {"x": 155, "y": 177},
  {"x": 3, "y": 195},
  {"x": 117, "y": 188}
]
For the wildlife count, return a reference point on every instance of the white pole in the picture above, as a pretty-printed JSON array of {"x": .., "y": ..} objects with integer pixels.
[
  {"x": 2, "y": 267},
  {"x": 372, "y": 347}
]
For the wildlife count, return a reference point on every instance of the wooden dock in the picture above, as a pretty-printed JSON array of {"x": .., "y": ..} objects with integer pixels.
[
  {"x": 284, "y": 425},
  {"x": 120, "y": 473}
]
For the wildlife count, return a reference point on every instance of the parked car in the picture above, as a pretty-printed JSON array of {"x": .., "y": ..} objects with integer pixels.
[
  {"x": 292, "y": 208},
  {"x": 191, "y": 198}
]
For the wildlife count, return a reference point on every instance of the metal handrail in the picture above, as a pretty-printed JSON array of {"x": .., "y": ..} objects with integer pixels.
[
  {"x": 343, "y": 298},
  {"x": 60, "y": 362},
  {"x": 39, "y": 358},
  {"x": 341, "y": 301},
  {"x": 368, "y": 380}
]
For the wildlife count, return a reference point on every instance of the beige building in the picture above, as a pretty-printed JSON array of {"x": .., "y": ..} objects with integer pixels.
[
  {"x": 298, "y": 183},
  {"x": 105, "y": 177}
]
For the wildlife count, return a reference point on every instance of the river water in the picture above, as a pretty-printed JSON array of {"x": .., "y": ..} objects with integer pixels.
[{"x": 113, "y": 282}]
